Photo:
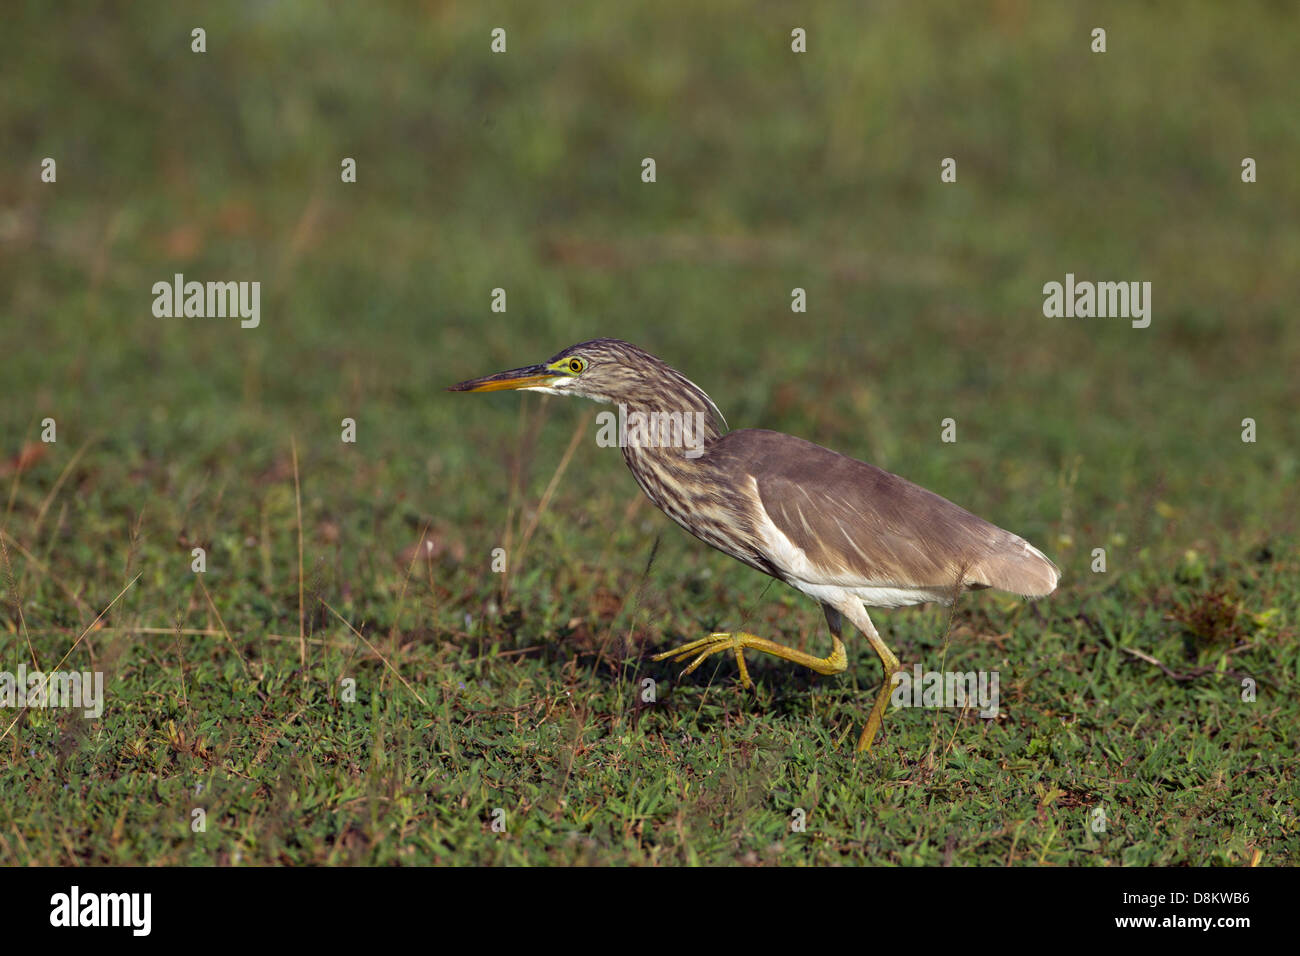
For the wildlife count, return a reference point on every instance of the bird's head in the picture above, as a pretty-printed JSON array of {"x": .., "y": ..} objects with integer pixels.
[
  {"x": 609, "y": 370},
  {"x": 605, "y": 370}
]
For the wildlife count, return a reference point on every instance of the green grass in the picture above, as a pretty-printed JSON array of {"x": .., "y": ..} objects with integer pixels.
[{"x": 523, "y": 691}]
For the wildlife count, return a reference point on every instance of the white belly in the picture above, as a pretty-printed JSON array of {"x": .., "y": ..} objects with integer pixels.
[
  {"x": 882, "y": 597},
  {"x": 813, "y": 581}
]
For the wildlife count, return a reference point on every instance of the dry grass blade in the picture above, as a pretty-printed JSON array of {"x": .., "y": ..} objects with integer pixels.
[
  {"x": 550, "y": 489},
  {"x": 18, "y": 602},
  {"x": 375, "y": 650},
  {"x": 90, "y": 627},
  {"x": 44, "y": 569},
  {"x": 222, "y": 624},
  {"x": 302, "y": 629},
  {"x": 58, "y": 483}
]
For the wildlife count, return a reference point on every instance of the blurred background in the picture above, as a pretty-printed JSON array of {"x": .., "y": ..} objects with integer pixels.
[
  {"x": 522, "y": 171},
  {"x": 775, "y": 170}
]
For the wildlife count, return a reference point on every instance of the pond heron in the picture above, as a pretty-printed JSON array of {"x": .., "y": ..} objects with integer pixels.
[{"x": 846, "y": 533}]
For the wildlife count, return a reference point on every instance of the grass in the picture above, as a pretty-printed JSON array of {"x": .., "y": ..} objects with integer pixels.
[{"x": 522, "y": 691}]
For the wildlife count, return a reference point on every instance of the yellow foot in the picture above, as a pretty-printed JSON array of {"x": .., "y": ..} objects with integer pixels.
[
  {"x": 714, "y": 644},
  {"x": 717, "y": 643}
]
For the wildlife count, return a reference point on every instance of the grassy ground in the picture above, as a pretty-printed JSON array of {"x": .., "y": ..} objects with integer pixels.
[{"x": 522, "y": 692}]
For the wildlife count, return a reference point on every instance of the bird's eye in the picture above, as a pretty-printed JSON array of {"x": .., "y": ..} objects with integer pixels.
[{"x": 576, "y": 365}]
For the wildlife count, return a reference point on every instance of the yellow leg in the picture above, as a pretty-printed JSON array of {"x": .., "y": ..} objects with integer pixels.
[
  {"x": 891, "y": 666},
  {"x": 717, "y": 643},
  {"x": 835, "y": 663}
]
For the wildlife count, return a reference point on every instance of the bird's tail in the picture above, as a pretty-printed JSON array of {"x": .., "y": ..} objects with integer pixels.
[{"x": 1016, "y": 566}]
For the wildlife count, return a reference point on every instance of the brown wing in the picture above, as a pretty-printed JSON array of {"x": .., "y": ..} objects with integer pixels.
[{"x": 861, "y": 526}]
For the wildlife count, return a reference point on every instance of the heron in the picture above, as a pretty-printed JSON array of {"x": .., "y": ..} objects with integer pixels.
[{"x": 848, "y": 534}]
